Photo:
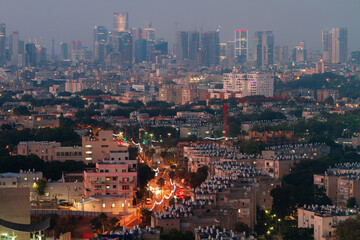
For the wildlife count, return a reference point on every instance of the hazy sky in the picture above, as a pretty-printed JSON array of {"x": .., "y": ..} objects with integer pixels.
[{"x": 291, "y": 20}]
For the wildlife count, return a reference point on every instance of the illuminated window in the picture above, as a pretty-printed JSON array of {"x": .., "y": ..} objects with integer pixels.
[
  {"x": 88, "y": 159},
  {"x": 25, "y": 179},
  {"x": 88, "y": 152},
  {"x": 103, "y": 205},
  {"x": 88, "y": 146},
  {"x": 107, "y": 179},
  {"x": 107, "y": 186},
  {"x": 113, "y": 205}
]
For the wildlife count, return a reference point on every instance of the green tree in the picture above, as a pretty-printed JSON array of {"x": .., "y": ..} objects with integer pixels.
[
  {"x": 242, "y": 227},
  {"x": 349, "y": 229},
  {"x": 160, "y": 182},
  {"x": 351, "y": 202},
  {"x": 329, "y": 101},
  {"x": 40, "y": 187},
  {"x": 21, "y": 111},
  {"x": 145, "y": 217},
  {"x": 145, "y": 174},
  {"x": 249, "y": 147}
]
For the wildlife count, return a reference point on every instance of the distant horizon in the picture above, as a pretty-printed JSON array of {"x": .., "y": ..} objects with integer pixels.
[{"x": 291, "y": 22}]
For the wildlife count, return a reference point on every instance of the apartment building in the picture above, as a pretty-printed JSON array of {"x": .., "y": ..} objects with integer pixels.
[
  {"x": 341, "y": 182},
  {"x": 49, "y": 151},
  {"x": 114, "y": 176},
  {"x": 41, "y": 121},
  {"x": 323, "y": 219},
  {"x": 97, "y": 148}
]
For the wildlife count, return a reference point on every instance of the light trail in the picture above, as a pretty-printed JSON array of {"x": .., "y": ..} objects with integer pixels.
[{"x": 165, "y": 197}]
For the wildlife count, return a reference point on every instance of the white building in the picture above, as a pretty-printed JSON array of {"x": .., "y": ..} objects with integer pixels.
[{"x": 249, "y": 84}]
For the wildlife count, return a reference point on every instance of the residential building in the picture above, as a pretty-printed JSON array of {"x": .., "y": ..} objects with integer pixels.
[
  {"x": 98, "y": 148},
  {"x": 44, "y": 150},
  {"x": 323, "y": 219},
  {"x": 249, "y": 84}
]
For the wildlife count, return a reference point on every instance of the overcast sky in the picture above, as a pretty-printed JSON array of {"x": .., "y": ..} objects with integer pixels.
[{"x": 291, "y": 20}]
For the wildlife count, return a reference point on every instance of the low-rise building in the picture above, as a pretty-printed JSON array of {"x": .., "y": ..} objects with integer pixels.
[
  {"x": 323, "y": 219},
  {"x": 41, "y": 121}
]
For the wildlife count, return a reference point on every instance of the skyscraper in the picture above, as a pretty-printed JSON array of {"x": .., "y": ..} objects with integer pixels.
[
  {"x": 15, "y": 48},
  {"x": 76, "y": 51},
  {"x": 241, "y": 45},
  {"x": 122, "y": 43},
  {"x": 299, "y": 52},
  {"x": 149, "y": 32},
  {"x": 149, "y": 36},
  {"x": 326, "y": 46},
  {"x": 121, "y": 21},
  {"x": 230, "y": 52},
  {"x": 209, "y": 48},
  {"x": 281, "y": 55},
  {"x": 182, "y": 46},
  {"x": 193, "y": 47},
  {"x": 264, "y": 48},
  {"x": 2, "y": 44},
  {"x": 339, "y": 45},
  {"x": 64, "y": 50},
  {"x": 140, "y": 50},
  {"x": 30, "y": 57},
  {"x": 100, "y": 41}
]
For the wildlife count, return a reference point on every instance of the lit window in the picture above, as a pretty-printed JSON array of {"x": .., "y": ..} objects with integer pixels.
[
  {"x": 88, "y": 152},
  {"x": 25, "y": 179},
  {"x": 107, "y": 186},
  {"x": 88, "y": 146},
  {"x": 113, "y": 205},
  {"x": 107, "y": 179},
  {"x": 103, "y": 205},
  {"x": 88, "y": 159}
]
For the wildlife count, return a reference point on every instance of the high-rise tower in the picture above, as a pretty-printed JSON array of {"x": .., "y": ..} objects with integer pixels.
[
  {"x": 2, "y": 44},
  {"x": 326, "y": 46},
  {"x": 209, "y": 48},
  {"x": 339, "y": 45},
  {"x": 100, "y": 41},
  {"x": 241, "y": 45},
  {"x": 121, "y": 21},
  {"x": 182, "y": 46},
  {"x": 15, "y": 48},
  {"x": 264, "y": 48}
]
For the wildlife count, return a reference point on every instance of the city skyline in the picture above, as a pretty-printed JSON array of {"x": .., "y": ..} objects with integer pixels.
[{"x": 255, "y": 18}]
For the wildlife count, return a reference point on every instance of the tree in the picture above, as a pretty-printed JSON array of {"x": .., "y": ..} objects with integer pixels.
[
  {"x": 349, "y": 229},
  {"x": 145, "y": 175},
  {"x": 133, "y": 152},
  {"x": 103, "y": 224},
  {"x": 242, "y": 227},
  {"x": 176, "y": 235},
  {"x": 160, "y": 182},
  {"x": 40, "y": 186},
  {"x": 21, "y": 111},
  {"x": 145, "y": 217},
  {"x": 329, "y": 101},
  {"x": 351, "y": 202},
  {"x": 249, "y": 147},
  {"x": 196, "y": 179}
]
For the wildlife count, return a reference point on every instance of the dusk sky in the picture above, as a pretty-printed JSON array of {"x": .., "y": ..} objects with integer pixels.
[{"x": 291, "y": 20}]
